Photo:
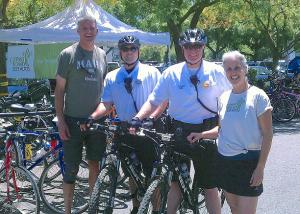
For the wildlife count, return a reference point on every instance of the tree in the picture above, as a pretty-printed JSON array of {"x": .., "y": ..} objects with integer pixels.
[
  {"x": 162, "y": 15},
  {"x": 278, "y": 22},
  {"x": 3, "y": 19},
  {"x": 177, "y": 13}
]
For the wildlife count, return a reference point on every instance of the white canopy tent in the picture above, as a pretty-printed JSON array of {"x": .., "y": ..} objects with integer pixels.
[{"x": 61, "y": 28}]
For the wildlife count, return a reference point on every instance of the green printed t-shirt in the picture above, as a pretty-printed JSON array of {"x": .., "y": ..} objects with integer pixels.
[{"x": 84, "y": 72}]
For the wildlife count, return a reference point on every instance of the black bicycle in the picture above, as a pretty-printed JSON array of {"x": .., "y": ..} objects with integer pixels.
[
  {"x": 103, "y": 198},
  {"x": 166, "y": 168}
]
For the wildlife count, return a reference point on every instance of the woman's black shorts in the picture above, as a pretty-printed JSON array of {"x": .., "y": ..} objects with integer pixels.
[{"x": 234, "y": 176}]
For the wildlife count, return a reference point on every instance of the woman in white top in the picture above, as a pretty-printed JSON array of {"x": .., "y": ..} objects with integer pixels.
[{"x": 244, "y": 137}]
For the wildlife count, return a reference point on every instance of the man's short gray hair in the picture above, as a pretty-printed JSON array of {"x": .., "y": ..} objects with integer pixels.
[
  {"x": 86, "y": 18},
  {"x": 236, "y": 55}
]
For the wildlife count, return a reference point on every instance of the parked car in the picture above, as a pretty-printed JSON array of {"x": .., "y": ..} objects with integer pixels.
[
  {"x": 280, "y": 68},
  {"x": 112, "y": 66},
  {"x": 262, "y": 72},
  {"x": 294, "y": 67}
]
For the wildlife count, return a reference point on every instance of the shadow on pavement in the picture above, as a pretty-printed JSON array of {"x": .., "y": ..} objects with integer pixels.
[{"x": 291, "y": 127}]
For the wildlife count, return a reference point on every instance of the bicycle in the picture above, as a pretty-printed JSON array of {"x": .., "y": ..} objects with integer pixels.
[
  {"x": 166, "y": 168},
  {"x": 104, "y": 193},
  {"x": 18, "y": 190},
  {"x": 284, "y": 108}
]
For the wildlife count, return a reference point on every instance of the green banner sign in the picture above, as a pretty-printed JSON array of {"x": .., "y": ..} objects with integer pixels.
[{"x": 45, "y": 60}]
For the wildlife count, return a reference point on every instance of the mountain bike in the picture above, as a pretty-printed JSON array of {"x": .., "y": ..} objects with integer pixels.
[
  {"x": 167, "y": 167},
  {"x": 104, "y": 195}
]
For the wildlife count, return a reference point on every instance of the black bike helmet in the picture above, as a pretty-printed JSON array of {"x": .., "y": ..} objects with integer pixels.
[
  {"x": 193, "y": 36},
  {"x": 129, "y": 40}
]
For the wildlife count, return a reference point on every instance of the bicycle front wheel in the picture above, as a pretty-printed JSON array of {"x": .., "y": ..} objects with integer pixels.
[
  {"x": 51, "y": 189},
  {"x": 155, "y": 198},
  {"x": 102, "y": 198},
  {"x": 18, "y": 194}
]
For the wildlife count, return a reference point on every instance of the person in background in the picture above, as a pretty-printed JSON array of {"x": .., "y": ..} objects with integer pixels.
[
  {"x": 244, "y": 137},
  {"x": 79, "y": 82}
]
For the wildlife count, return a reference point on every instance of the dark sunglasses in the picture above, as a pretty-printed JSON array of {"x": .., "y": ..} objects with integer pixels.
[
  {"x": 132, "y": 49},
  {"x": 193, "y": 46}
]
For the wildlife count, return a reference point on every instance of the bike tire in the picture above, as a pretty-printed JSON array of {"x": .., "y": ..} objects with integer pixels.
[
  {"x": 284, "y": 110},
  {"x": 27, "y": 200},
  {"x": 146, "y": 205},
  {"x": 51, "y": 189},
  {"x": 100, "y": 201}
]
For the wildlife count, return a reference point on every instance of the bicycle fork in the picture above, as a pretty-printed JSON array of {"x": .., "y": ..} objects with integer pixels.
[
  {"x": 114, "y": 185},
  {"x": 7, "y": 172}
]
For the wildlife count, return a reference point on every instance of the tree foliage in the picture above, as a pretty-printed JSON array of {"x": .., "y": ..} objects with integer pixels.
[
  {"x": 278, "y": 22},
  {"x": 24, "y": 12}
]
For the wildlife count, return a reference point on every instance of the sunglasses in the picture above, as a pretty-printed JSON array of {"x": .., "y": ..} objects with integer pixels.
[
  {"x": 193, "y": 46},
  {"x": 132, "y": 49}
]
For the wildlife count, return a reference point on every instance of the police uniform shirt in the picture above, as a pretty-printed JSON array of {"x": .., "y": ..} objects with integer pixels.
[
  {"x": 175, "y": 86},
  {"x": 144, "y": 79}
]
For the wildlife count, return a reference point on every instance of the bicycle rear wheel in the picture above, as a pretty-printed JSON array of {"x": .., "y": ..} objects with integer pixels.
[
  {"x": 23, "y": 195},
  {"x": 156, "y": 195},
  {"x": 284, "y": 110},
  {"x": 51, "y": 189}
]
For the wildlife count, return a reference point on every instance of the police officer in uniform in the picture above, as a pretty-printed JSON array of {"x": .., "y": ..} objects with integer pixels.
[
  {"x": 192, "y": 89},
  {"x": 128, "y": 88}
]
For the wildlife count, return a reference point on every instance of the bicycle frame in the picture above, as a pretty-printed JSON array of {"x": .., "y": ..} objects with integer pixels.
[
  {"x": 168, "y": 164},
  {"x": 7, "y": 165},
  {"x": 118, "y": 160},
  {"x": 19, "y": 140},
  {"x": 297, "y": 98}
]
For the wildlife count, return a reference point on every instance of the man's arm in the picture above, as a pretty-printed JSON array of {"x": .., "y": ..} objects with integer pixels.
[
  {"x": 159, "y": 110},
  {"x": 102, "y": 109},
  {"x": 59, "y": 107},
  {"x": 146, "y": 110},
  {"x": 59, "y": 96}
]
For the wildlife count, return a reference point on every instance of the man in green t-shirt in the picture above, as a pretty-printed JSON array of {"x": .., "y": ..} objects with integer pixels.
[{"x": 79, "y": 83}]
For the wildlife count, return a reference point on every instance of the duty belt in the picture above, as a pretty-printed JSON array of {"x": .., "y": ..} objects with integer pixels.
[{"x": 206, "y": 125}]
